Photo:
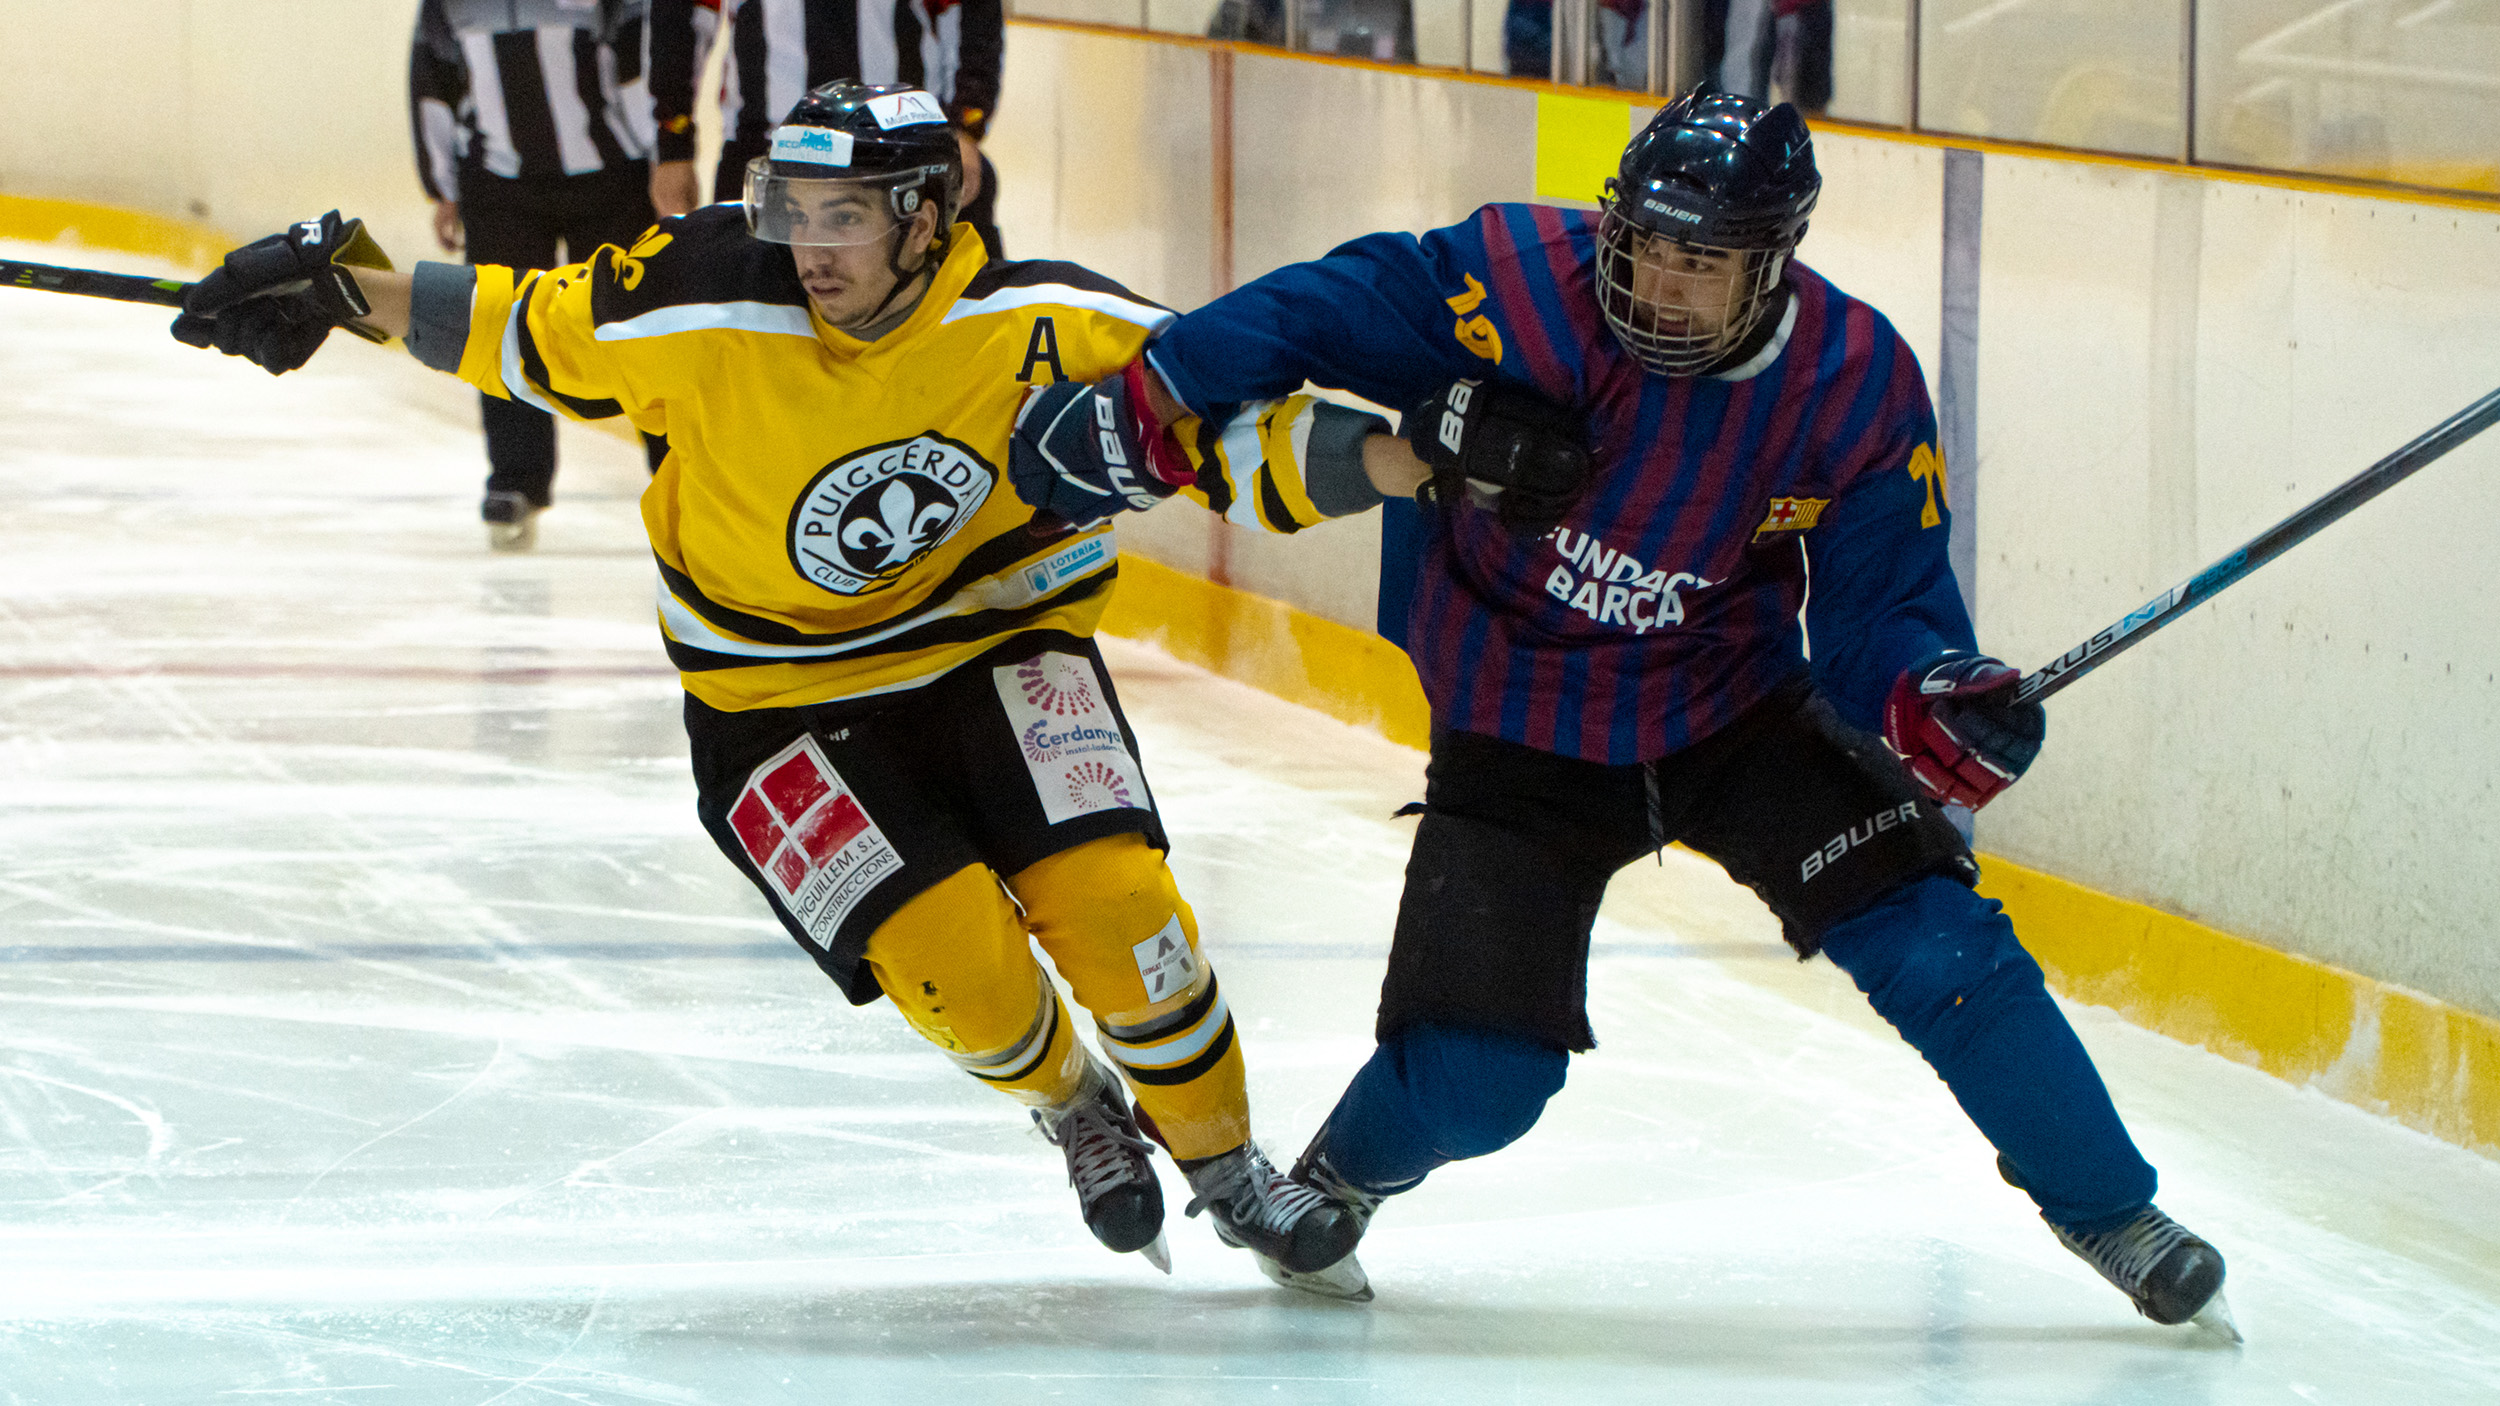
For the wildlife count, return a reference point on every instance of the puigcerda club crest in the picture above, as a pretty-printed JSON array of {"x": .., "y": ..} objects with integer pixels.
[{"x": 865, "y": 519}]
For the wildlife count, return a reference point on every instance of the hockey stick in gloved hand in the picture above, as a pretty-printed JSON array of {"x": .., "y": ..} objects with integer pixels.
[
  {"x": 2264, "y": 547},
  {"x": 123, "y": 287},
  {"x": 93, "y": 283}
]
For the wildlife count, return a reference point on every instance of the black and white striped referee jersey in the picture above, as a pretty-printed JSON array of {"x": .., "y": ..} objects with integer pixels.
[
  {"x": 527, "y": 89},
  {"x": 781, "y": 48}
]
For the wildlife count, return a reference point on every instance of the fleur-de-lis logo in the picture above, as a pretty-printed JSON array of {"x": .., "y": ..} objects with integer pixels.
[
  {"x": 893, "y": 526},
  {"x": 629, "y": 265},
  {"x": 865, "y": 519}
]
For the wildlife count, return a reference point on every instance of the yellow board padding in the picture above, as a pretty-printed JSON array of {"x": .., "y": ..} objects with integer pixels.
[
  {"x": 2429, "y": 1065},
  {"x": 184, "y": 242},
  {"x": 1579, "y": 143},
  {"x": 1352, "y": 675}
]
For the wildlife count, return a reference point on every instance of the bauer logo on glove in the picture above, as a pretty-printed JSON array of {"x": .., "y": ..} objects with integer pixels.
[
  {"x": 274, "y": 301},
  {"x": 1502, "y": 448},
  {"x": 1081, "y": 453}
]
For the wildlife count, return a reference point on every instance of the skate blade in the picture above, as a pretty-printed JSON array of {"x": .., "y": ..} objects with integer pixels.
[
  {"x": 1343, "y": 1280},
  {"x": 2215, "y": 1317},
  {"x": 1158, "y": 1254}
]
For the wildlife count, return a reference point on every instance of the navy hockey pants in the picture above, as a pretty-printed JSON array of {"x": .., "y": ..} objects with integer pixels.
[{"x": 1935, "y": 959}]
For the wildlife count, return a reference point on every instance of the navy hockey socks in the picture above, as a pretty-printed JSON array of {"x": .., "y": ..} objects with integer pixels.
[
  {"x": 1433, "y": 1094},
  {"x": 1942, "y": 964}
]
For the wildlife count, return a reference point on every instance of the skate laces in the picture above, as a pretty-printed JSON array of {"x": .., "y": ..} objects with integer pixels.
[
  {"x": 1242, "y": 1186},
  {"x": 2126, "y": 1256},
  {"x": 1100, "y": 1144}
]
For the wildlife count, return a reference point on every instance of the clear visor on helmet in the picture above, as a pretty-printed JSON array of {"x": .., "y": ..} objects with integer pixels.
[
  {"x": 1680, "y": 308},
  {"x": 835, "y": 210}
]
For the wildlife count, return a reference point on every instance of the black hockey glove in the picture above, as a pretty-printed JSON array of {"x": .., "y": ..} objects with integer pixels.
[
  {"x": 274, "y": 301},
  {"x": 1509, "y": 448},
  {"x": 1081, "y": 453}
]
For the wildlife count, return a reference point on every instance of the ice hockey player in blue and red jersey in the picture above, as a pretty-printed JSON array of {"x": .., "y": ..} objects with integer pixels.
[{"x": 1638, "y": 434}]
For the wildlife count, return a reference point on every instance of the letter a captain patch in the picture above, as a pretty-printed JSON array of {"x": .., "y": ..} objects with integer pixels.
[{"x": 811, "y": 840}]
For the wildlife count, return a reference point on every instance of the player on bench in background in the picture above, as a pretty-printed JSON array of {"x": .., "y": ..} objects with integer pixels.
[
  {"x": 1618, "y": 664},
  {"x": 902, "y": 732}
]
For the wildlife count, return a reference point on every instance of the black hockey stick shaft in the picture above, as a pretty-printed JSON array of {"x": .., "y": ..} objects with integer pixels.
[
  {"x": 93, "y": 283},
  {"x": 2257, "y": 551}
]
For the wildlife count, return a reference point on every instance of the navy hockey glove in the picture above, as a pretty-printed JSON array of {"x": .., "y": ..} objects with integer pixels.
[
  {"x": 1081, "y": 453},
  {"x": 1953, "y": 720},
  {"x": 274, "y": 301},
  {"x": 1509, "y": 448}
]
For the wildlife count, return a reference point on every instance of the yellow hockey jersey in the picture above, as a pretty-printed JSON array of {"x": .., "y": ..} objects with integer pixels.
[{"x": 832, "y": 520}]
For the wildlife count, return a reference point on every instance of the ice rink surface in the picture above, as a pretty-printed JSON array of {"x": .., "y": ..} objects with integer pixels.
[{"x": 377, "y": 1025}]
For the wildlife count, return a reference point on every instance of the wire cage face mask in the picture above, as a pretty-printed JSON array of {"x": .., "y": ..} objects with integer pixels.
[
  {"x": 832, "y": 211},
  {"x": 1670, "y": 331}
]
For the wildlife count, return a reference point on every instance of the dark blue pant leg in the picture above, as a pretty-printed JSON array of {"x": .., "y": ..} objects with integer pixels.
[
  {"x": 1941, "y": 964},
  {"x": 1432, "y": 1094}
]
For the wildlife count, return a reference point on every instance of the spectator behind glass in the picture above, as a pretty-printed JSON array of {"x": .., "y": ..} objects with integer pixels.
[
  {"x": 1747, "y": 45},
  {"x": 1622, "y": 57},
  {"x": 1358, "y": 29}
]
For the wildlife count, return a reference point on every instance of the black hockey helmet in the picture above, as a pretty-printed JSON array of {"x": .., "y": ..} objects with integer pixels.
[
  {"x": 890, "y": 140},
  {"x": 1716, "y": 180}
]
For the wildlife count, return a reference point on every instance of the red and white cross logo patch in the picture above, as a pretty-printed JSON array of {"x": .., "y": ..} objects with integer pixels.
[{"x": 811, "y": 838}]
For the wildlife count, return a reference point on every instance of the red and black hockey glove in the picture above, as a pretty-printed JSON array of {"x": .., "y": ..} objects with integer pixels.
[
  {"x": 274, "y": 301},
  {"x": 1081, "y": 453},
  {"x": 1953, "y": 720},
  {"x": 1509, "y": 449}
]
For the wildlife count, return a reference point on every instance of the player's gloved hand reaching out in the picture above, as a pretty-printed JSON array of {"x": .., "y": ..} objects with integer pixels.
[
  {"x": 274, "y": 301},
  {"x": 1527, "y": 457},
  {"x": 1081, "y": 453},
  {"x": 1953, "y": 720}
]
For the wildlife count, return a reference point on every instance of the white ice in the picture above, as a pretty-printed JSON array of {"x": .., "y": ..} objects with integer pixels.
[{"x": 377, "y": 1025}]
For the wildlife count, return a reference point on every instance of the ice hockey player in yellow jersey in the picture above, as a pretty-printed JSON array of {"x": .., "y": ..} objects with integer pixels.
[{"x": 901, "y": 730}]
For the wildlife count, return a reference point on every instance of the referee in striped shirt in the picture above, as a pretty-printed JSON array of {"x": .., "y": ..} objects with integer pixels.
[
  {"x": 951, "y": 49},
  {"x": 533, "y": 130}
]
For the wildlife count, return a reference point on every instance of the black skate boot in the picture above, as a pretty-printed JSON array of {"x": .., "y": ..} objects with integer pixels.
[
  {"x": 2171, "y": 1276},
  {"x": 1299, "y": 1237},
  {"x": 1108, "y": 1164},
  {"x": 511, "y": 521}
]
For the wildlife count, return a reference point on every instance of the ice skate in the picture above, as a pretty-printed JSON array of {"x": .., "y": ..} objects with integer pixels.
[
  {"x": 511, "y": 522},
  {"x": 2170, "y": 1275},
  {"x": 1299, "y": 1237},
  {"x": 1110, "y": 1167}
]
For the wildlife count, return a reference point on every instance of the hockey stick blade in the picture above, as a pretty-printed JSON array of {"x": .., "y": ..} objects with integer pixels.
[
  {"x": 93, "y": 283},
  {"x": 2133, "y": 628}
]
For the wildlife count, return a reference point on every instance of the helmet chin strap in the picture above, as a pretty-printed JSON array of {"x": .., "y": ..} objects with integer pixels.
[{"x": 902, "y": 276}]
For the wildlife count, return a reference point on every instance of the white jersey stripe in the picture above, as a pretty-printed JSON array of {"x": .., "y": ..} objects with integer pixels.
[
  {"x": 564, "y": 99},
  {"x": 515, "y": 379},
  {"x": 778, "y": 318},
  {"x": 879, "y": 62},
  {"x": 494, "y": 124},
  {"x": 1012, "y": 589},
  {"x": 785, "y": 55},
  {"x": 1146, "y": 315}
]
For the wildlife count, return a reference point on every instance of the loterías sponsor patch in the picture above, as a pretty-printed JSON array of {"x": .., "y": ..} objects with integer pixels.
[{"x": 1071, "y": 740}]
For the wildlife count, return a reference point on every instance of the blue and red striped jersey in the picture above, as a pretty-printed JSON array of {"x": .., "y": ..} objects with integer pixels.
[{"x": 1676, "y": 593}]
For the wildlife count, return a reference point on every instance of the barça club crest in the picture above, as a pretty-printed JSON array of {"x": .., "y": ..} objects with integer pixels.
[{"x": 863, "y": 521}]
